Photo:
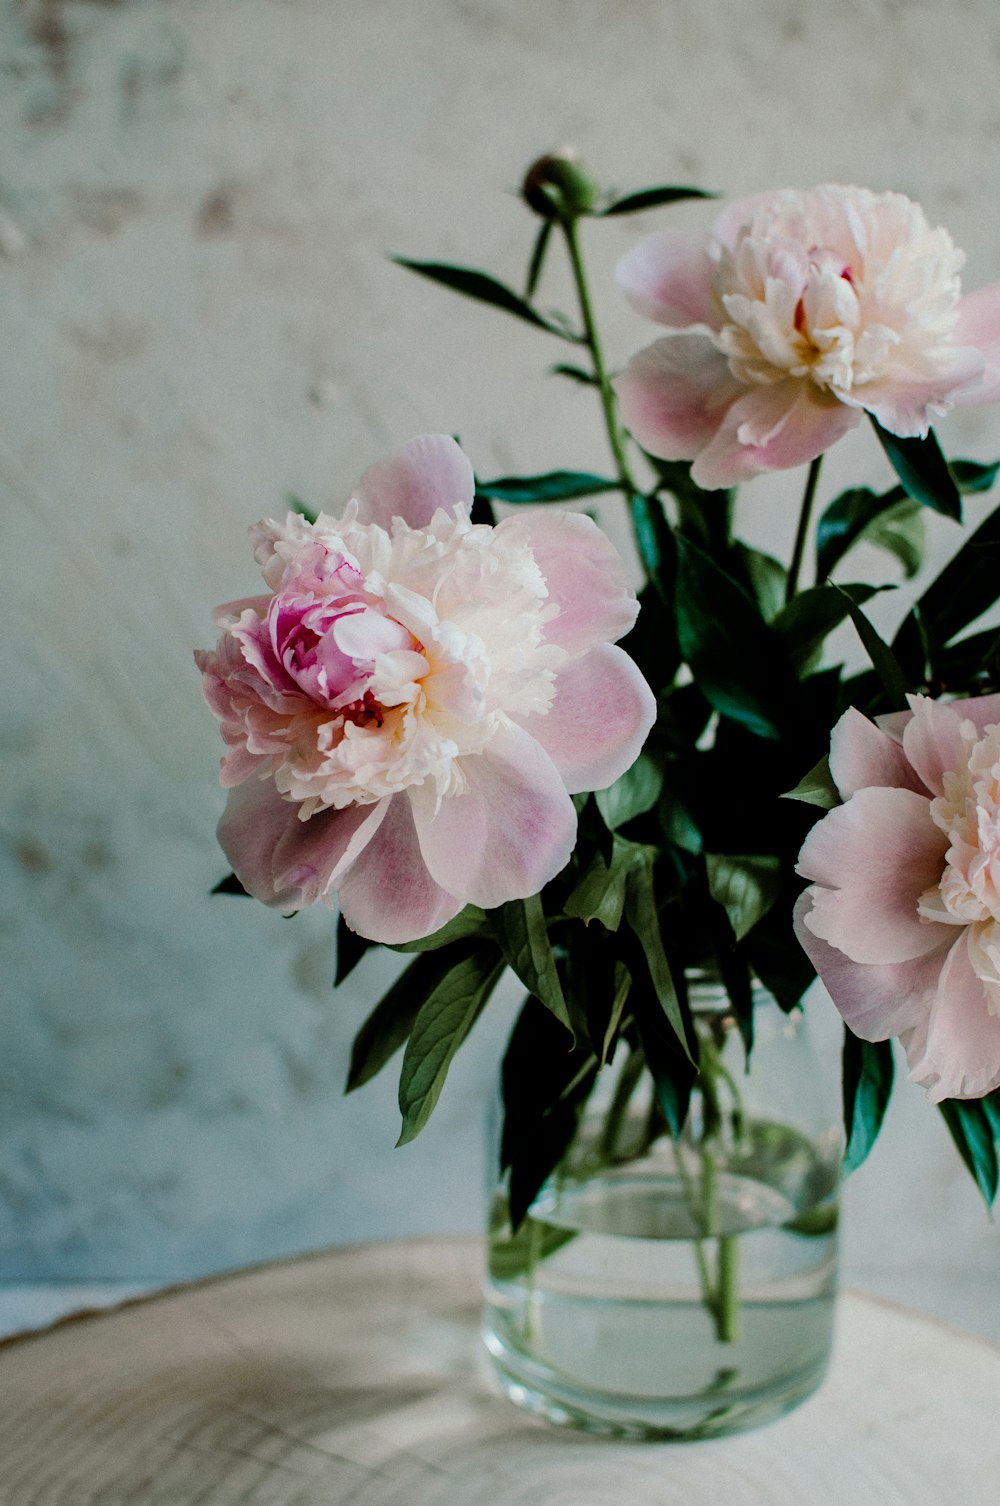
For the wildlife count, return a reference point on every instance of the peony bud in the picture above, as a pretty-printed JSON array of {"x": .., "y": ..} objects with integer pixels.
[{"x": 558, "y": 188}]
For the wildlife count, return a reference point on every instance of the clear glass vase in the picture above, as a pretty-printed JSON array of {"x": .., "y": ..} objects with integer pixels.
[{"x": 679, "y": 1289}]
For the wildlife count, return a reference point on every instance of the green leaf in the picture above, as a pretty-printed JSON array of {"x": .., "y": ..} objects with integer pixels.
[
  {"x": 623, "y": 984},
  {"x": 867, "y": 1086},
  {"x": 973, "y": 1131},
  {"x": 468, "y": 922},
  {"x": 230, "y": 885},
  {"x": 746, "y": 886},
  {"x": 767, "y": 579},
  {"x": 884, "y": 661},
  {"x": 650, "y": 198},
  {"x": 816, "y": 787},
  {"x": 297, "y": 505},
  {"x": 892, "y": 520},
  {"x": 554, "y": 486},
  {"x": 524, "y": 1248},
  {"x": 390, "y": 1022},
  {"x": 575, "y": 374},
  {"x": 632, "y": 794},
  {"x": 537, "y": 258},
  {"x": 923, "y": 470},
  {"x": 963, "y": 590},
  {"x": 974, "y": 475},
  {"x": 350, "y": 949},
  {"x": 484, "y": 289},
  {"x": 521, "y": 932},
  {"x": 600, "y": 894},
  {"x": 444, "y": 1020},
  {"x": 811, "y": 616},
  {"x": 736, "y": 660},
  {"x": 643, "y": 917},
  {"x": 654, "y": 539}
]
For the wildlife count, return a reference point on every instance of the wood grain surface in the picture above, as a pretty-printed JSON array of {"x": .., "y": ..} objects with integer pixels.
[{"x": 358, "y": 1376}]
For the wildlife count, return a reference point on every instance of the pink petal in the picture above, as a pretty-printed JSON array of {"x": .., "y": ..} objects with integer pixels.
[
  {"x": 932, "y": 740},
  {"x": 862, "y": 755},
  {"x": 982, "y": 711},
  {"x": 599, "y": 720},
  {"x": 674, "y": 394},
  {"x": 875, "y": 856},
  {"x": 772, "y": 428},
  {"x": 876, "y": 1000},
  {"x": 286, "y": 862},
  {"x": 668, "y": 277},
  {"x": 979, "y": 326},
  {"x": 733, "y": 218},
  {"x": 585, "y": 576},
  {"x": 387, "y": 894},
  {"x": 508, "y": 833},
  {"x": 960, "y": 1057},
  {"x": 906, "y": 408},
  {"x": 428, "y": 473}
]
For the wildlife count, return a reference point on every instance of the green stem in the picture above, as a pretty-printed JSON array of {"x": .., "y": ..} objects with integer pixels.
[
  {"x": 805, "y": 514},
  {"x": 637, "y": 503},
  {"x": 727, "y": 1290}
]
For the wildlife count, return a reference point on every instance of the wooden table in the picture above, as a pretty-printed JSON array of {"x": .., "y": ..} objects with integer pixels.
[{"x": 357, "y": 1376}]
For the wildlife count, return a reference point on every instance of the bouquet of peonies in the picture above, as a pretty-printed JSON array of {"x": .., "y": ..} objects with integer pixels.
[{"x": 431, "y": 724}]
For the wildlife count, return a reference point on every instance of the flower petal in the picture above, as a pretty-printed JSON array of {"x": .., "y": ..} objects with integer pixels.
[
  {"x": 599, "y": 720},
  {"x": 387, "y": 894},
  {"x": 428, "y": 473},
  {"x": 905, "y": 407},
  {"x": 668, "y": 277},
  {"x": 585, "y": 576},
  {"x": 960, "y": 1054},
  {"x": 932, "y": 740},
  {"x": 772, "y": 428},
  {"x": 982, "y": 711},
  {"x": 862, "y": 755},
  {"x": 876, "y": 1000},
  {"x": 286, "y": 862},
  {"x": 674, "y": 394},
  {"x": 875, "y": 856},
  {"x": 508, "y": 833},
  {"x": 978, "y": 325}
]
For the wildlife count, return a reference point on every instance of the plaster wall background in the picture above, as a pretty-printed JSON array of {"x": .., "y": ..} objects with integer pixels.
[{"x": 200, "y": 319}]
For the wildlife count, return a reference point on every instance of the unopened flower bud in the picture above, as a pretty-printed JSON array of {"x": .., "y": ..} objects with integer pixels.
[{"x": 558, "y": 187}]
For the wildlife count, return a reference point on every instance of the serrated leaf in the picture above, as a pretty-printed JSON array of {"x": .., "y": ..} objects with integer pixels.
[
  {"x": 519, "y": 928},
  {"x": 484, "y": 289},
  {"x": 736, "y": 660},
  {"x": 632, "y": 794},
  {"x": 884, "y": 661},
  {"x": 746, "y": 886},
  {"x": 867, "y": 1087},
  {"x": 971, "y": 1127},
  {"x": 444, "y": 1020},
  {"x": 816, "y": 787},
  {"x": 643, "y": 917},
  {"x": 468, "y": 922},
  {"x": 923, "y": 470},
  {"x": 350, "y": 949},
  {"x": 651, "y": 198},
  {"x": 554, "y": 486}
]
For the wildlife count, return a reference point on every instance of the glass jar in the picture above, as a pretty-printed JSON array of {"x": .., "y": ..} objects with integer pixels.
[{"x": 681, "y": 1288}]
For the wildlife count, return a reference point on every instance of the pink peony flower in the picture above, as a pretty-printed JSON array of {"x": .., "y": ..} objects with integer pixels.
[
  {"x": 413, "y": 701},
  {"x": 903, "y": 920},
  {"x": 802, "y": 311}
]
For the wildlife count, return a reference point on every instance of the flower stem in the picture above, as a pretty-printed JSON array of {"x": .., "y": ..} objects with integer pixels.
[
  {"x": 638, "y": 504},
  {"x": 805, "y": 514}
]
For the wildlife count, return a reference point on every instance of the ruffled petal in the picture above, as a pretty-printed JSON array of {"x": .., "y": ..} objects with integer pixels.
[
  {"x": 286, "y": 862},
  {"x": 428, "y": 473},
  {"x": 861, "y": 755},
  {"x": 875, "y": 856},
  {"x": 982, "y": 711},
  {"x": 876, "y": 1000},
  {"x": 959, "y": 1055},
  {"x": 585, "y": 576},
  {"x": 387, "y": 894},
  {"x": 932, "y": 740},
  {"x": 511, "y": 830},
  {"x": 600, "y": 718},
  {"x": 668, "y": 277},
  {"x": 674, "y": 395},
  {"x": 978, "y": 325},
  {"x": 772, "y": 427},
  {"x": 906, "y": 408}
]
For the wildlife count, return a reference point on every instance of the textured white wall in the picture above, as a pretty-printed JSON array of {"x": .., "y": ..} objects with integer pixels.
[{"x": 196, "y": 202}]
